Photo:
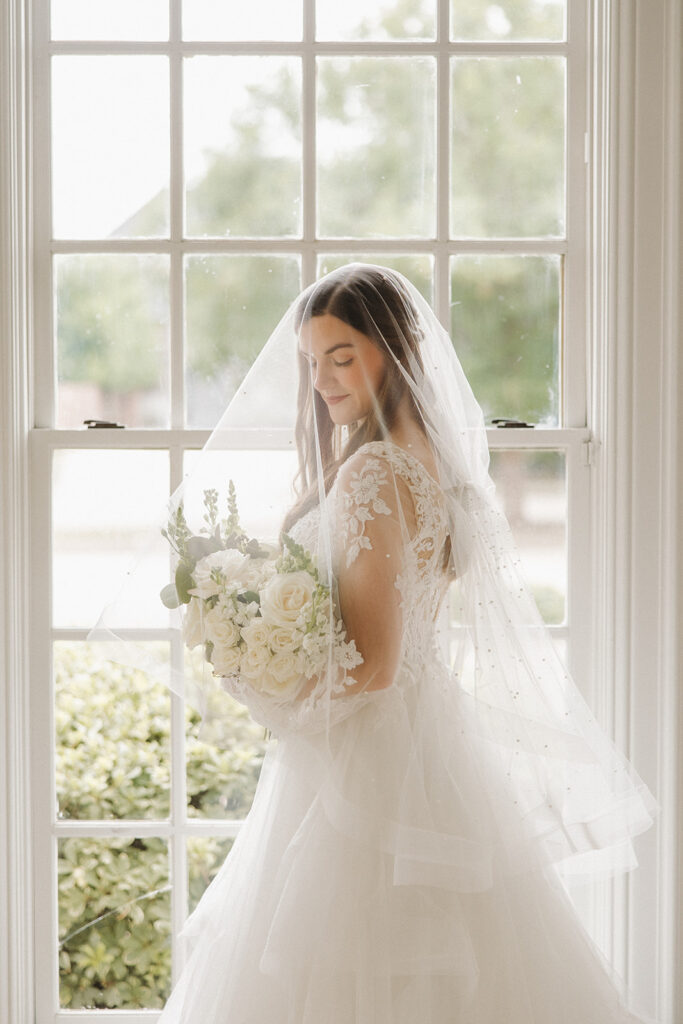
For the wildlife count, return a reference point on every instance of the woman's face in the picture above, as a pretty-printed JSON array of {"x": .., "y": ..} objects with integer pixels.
[{"x": 346, "y": 367}]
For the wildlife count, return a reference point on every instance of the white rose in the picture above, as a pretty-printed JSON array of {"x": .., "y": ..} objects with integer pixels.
[
  {"x": 219, "y": 627},
  {"x": 225, "y": 660},
  {"x": 283, "y": 676},
  {"x": 256, "y": 633},
  {"x": 228, "y": 563},
  {"x": 284, "y": 639},
  {"x": 254, "y": 662},
  {"x": 256, "y": 572},
  {"x": 284, "y": 597},
  {"x": 193, "y": 622}
]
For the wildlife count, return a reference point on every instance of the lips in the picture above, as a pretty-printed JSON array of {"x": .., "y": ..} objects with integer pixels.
[{"x": 333, "y": 399}]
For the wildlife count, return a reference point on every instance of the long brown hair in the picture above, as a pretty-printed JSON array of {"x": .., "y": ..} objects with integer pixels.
[{"x": 375, "y": 302}]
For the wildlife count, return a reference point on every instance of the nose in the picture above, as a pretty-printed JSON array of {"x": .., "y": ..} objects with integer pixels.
[{"x": 321, "y": 376}]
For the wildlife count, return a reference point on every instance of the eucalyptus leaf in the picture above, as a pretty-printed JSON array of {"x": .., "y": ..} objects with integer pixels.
[
  {"x": 183, "y": 583},
  {"x": 169, "y": 596},
  {"x": 255, "y": 549},
  {"x": 199, "y": 547}
]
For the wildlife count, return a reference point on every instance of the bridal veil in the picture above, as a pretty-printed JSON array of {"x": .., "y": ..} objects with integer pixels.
[{"x": 569, "y": 796}]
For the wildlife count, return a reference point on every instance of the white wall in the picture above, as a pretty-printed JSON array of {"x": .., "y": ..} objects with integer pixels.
[{"x": 638, "y": 415}]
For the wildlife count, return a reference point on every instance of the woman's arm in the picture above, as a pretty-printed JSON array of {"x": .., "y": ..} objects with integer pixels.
[
  {"x": 369, "y": 603},
  {"x": 375, "y": 518}
]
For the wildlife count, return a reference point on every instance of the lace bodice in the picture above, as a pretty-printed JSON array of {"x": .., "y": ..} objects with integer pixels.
[{"x": 366, "y": 499}]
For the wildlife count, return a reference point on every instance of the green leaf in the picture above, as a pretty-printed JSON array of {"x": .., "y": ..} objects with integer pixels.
[
  {"x": 198, "y": 547},
  {"x": 183, "y": 583},
  {"x": 255, "y": 550},
  {"x": 169, "y": 596}
]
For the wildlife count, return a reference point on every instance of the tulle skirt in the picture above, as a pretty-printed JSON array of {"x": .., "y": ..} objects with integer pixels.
[{"x": 384, "y": 876}]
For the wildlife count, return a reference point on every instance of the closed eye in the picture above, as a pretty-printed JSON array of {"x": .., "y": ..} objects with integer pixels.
[{"x": 313, "y": 362}]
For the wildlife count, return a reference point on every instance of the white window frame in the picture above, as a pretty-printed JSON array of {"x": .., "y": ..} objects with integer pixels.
[{"x": 620, "y": 34}]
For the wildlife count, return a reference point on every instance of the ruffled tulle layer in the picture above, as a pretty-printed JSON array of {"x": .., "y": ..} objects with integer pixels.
[{"x": 383, "y": 876}]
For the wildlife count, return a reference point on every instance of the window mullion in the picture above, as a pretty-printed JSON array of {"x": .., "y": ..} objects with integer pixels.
[
  {"x": 41, "y": 200},
  {"x": 177, "y": 843},
  {"x": 176, "y": 214},
  {"x": 252, "y": 439},
  {"x": 43, "y": 732},
  {"x": 580, "y": 569},
  {"x": 575, "y": 323},
  {"x": 308, "y": 142},
  {"x": 203, "y": 246},
  {"x": 443, "y": 132},
  {"x": 131, "y": 438},
  {"x": 537, "y": 437}
]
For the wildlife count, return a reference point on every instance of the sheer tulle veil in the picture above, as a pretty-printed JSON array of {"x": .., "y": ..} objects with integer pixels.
[{"x": 577, "y": 801}]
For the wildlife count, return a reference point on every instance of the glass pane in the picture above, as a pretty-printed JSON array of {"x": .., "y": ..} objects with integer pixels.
[
  {"x": 264, "y": 485},
  {"x": 509, "y": 19},
  {"x": 232, "y": 305},
  {"x": 376, "y": 19},
  {"x": 222, "y": 778},
  {"x": 110, "y": 139},
  {"x": 112, "y": 736},
  {"x": 507, "y": 147},
  {"x": 261, "y": 19},
  {"x": 114, "y": 923},
  {"x": 375, "y": 146},
  {"x": 505, "y": 324},
  {"x": 109, "y": 19},
  {"x": 242, "y": 130},
  {"x": 112, "y": 324},
  {"x": 418, "y": 269},
  {"x": 205, "y": 855},
  {"x": 106, "y": 509},
  {"x": 532, "y": 489}
]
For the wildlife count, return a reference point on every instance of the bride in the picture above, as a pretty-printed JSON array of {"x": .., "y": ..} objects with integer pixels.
[{"x": 419, "y": 814}]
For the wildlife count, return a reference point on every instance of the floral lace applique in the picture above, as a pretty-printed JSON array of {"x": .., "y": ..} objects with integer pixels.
[
  {"x": 421, "y": 582},
  {"x": 361, "y": 503}
]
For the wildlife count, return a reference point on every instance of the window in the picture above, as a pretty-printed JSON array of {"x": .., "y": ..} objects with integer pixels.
[{"x": 194, "y": 176}]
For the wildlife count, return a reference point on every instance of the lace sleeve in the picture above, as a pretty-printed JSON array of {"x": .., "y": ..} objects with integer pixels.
[{"x": 376, "y": 518}]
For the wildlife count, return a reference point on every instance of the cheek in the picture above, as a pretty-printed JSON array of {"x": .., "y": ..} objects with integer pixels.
[
  {"x": 375, "y": 374},
  {"x": 366, "y": 376},
  {"x": 357, "y": 377}
]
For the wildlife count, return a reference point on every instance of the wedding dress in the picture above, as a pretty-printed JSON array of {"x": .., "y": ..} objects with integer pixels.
[
  {"x": 406, "y": 854},
  {"x": 382, "y": 876}
]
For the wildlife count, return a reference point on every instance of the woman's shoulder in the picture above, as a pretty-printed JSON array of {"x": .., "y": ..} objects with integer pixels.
[
  {"x": 387, "y": 453},
  {"x": 381, "y": 475},
  {"x": 382, "y": 484},
  {"x": 365, "y": 472}
]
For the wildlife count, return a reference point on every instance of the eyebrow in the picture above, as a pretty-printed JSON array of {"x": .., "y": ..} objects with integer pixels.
[{"x": 341, "y": 344}]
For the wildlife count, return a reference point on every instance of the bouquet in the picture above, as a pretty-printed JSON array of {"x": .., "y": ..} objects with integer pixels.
[{"x": 262, "y": 614}]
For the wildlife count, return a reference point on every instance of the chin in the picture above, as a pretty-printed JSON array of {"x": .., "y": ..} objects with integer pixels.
[
  {"x": 342, "y": 417},
  {"x": 341, "y": 420}
]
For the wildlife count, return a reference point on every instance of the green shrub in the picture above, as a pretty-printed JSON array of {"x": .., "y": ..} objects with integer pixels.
[{"x": 113, "y": 762}]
